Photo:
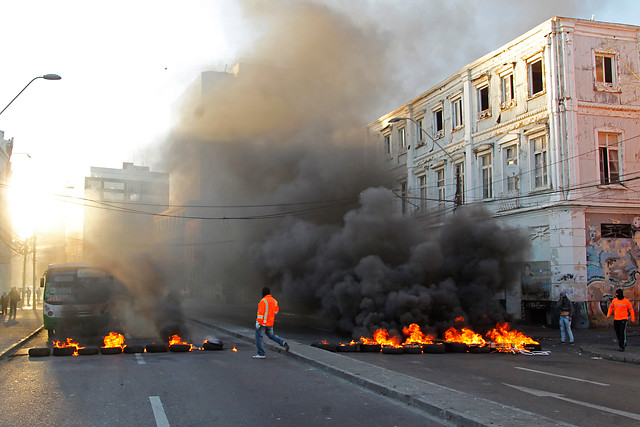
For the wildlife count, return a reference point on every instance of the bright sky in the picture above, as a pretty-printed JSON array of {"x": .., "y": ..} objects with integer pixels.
[{"x": 123, "y": 63}]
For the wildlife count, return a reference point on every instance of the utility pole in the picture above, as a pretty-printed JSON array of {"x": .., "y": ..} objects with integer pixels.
[
  {"x": 34, "y": 293},
  {"x": 24, "y": 269}
]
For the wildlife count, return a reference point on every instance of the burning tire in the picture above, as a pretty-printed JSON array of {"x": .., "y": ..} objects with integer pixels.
[
  {"x": 533, "y": 347},
  {"x": 370, "y": 348},
  {"x": 63, "y": 351},
  {"x": 388, "y": 349},
  {"x": 324, "y": 346},
  {"x": 88, "y": 351},
  {"x": 479, "y": 349},
  {"x": 110, "y": 350},
  {"x": 348, "y": 348},
  {"x": 179, "y": 348},
  {"x": 39, "y": 352},
  {"x": 456, "y": 347},
  {"x": 213, "y": 345},
  {"x": 156, "y": 348},
  {"x": 437, "y": 348},
  {"x": 130, "y": 349},
  {"x": 412, "y": 349}
]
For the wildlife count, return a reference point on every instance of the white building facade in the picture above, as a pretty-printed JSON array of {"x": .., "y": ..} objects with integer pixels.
[{"x": 545, "y": 133}]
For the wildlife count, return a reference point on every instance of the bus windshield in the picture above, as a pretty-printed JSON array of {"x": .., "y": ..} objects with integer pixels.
[{"x": 77, "y": 286}]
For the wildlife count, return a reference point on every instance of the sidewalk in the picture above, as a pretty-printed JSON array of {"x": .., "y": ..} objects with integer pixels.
[
  {"x": 598, "y": 342},
  {"x": 14, "y": 332}
]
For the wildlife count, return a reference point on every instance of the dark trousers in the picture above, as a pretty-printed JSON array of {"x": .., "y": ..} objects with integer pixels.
[{"x": 621, "y": 332}]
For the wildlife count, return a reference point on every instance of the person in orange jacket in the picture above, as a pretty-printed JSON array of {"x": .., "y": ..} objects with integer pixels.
[
  {"x": 621, "y": 309},
  {"x": 267, "y": 310}
]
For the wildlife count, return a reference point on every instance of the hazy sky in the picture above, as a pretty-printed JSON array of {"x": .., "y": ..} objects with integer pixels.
[{"x": 123, "y": 63}]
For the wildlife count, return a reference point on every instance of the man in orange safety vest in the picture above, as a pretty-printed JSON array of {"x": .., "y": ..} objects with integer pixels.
[
  {"x": 267, "y": 310},
  {"x": 621, "y": 309}
]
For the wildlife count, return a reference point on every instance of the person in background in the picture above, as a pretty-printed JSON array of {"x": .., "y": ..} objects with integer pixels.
[
  {"x": 267, "y": 310},
  {"x": 4, "y": 303},
  {"x": 14, "y": 298},
  {"x": 566, "y": 315},
  {"x": 622, "y": 310}
]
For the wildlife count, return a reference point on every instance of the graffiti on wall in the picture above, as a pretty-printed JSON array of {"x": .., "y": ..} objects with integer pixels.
[
  {"x": 535, "y": 280},
  {"x": 612, "y": 263}
]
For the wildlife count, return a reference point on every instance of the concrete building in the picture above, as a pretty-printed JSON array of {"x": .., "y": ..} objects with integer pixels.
[
  {"x": 7, "y": 247},
  {"x": 120, "y": 208},
  {"x": 545, "y": 133}
]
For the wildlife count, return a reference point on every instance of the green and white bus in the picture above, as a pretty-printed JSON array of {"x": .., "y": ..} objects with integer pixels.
[{"x": 79, "y": 298}]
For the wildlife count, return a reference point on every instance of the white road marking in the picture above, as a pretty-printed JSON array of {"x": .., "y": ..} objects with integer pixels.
[
  {"x": 541, "y": 393},
  {"x": 563, "y": 376},
  {"x": 158, "y": 412},
  {"x": 140, "y": 359}
]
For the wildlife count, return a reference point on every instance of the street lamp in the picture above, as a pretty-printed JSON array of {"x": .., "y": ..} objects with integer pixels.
[
  {"x": 46, "y": 77},
  {"x": 458, "y": 197}
]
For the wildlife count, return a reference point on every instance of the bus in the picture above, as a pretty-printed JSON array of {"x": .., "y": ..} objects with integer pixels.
[{"x": 79, "y": 298}]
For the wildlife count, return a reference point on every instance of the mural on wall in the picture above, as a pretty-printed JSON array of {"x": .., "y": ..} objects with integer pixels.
[{"x": 613, "y": 256}]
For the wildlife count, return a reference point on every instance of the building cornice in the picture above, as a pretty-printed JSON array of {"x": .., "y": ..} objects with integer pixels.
[
  {"x": 518, "y": 122},
  {"x": 597, "y": 109}
]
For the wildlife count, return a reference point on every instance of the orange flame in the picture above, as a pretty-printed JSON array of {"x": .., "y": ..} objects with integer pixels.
[
  {"x": 68, "y": 343},
  {"x": 381, "y": 336},
  {"x": 234, "y": 349},
  {"x": 502, "y": 334},
  {"x": 464, "y": 335},
  {"x": 415, "y": 335},
  {"x": 114, "y": 339},
  {"x": 459, "y": 319},
  {"x": 175, "y": 339}
]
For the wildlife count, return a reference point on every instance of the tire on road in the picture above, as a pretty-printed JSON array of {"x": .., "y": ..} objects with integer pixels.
[
  {"x": 480, "y": 349},
  {"x": 412, "y": 349},
  {"x": 348, "y": 348},
  {"x": 88, "y": 350},
  {"x": 370, "y": 348},
  {"x": 39, "y": 352},
  {"x": 456, "y": 347},
  {"x": 110, "y": 350},
  {"x": 179, "y": 348},
  {"x": 213, "y": 345},
  {"x": 63, "y": 351},
  {"x": 324, "y": 346},
  {"x": 436, "y": 348},
  {"x": 130, "y": 349},
  {"x": 388, "y": 349},
  {"x": 156, "y": 348}
]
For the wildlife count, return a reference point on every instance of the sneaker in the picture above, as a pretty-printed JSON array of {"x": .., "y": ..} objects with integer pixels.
[
  {"x": 257, "y": 356},
  {"x": 286, "y": 346},
  {"x": 572, "y": 343},
  {"x": 561, "y": 342}
]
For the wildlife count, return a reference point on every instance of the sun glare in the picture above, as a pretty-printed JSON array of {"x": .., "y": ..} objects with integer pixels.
[{"x": 30, "y": 203}]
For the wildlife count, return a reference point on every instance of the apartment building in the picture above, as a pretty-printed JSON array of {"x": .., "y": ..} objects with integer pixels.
[{"x": 545, "y": 133}]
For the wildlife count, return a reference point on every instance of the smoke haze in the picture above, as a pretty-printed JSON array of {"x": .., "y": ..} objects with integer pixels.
[{"x": 278, "y": 188}]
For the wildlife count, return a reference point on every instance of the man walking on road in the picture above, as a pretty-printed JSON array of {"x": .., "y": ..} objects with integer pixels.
[
  {"x": 621, "y": 309},
  {"x": 267, "y": 310}
]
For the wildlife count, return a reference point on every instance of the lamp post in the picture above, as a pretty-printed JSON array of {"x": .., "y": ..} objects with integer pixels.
[
  {"x": 458, "y": 196},
  {"x": 46, "y": 77}
]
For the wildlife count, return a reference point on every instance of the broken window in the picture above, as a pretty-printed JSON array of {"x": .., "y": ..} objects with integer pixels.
[
  {"x": 536, "y": 80},
  {"x": 508, "y": 91},
  {"x": 387, "y": 144},
  {"x": 459, "y": 167},
  {"x": 403, "y": 196},
  {"x": 604, "y": 69},
  {"x": 616, "y": 231},
  {"x": 419, "y": 130},
  {"x": 438, "y": 122},
  {"x": 456, "y": 112},
  {"x": 483, "y": 102},
  {"x": 608, "y": 157},
  {"x": 402, "y": 140}
]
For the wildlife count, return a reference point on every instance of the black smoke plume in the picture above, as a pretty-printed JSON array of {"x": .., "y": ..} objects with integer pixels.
[{"x": 381, "y": 269}]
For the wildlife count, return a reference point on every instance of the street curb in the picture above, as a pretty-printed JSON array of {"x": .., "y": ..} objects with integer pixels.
[
  {"x": 433, "y": 399},
  {"x": 615, "y": 357},
  {"x": 14, "y": 346}
]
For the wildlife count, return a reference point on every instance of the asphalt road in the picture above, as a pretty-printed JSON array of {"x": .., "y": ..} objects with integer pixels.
[
  {"x": 222, "y": 388},
  {"x": 565, "y": 385}
]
